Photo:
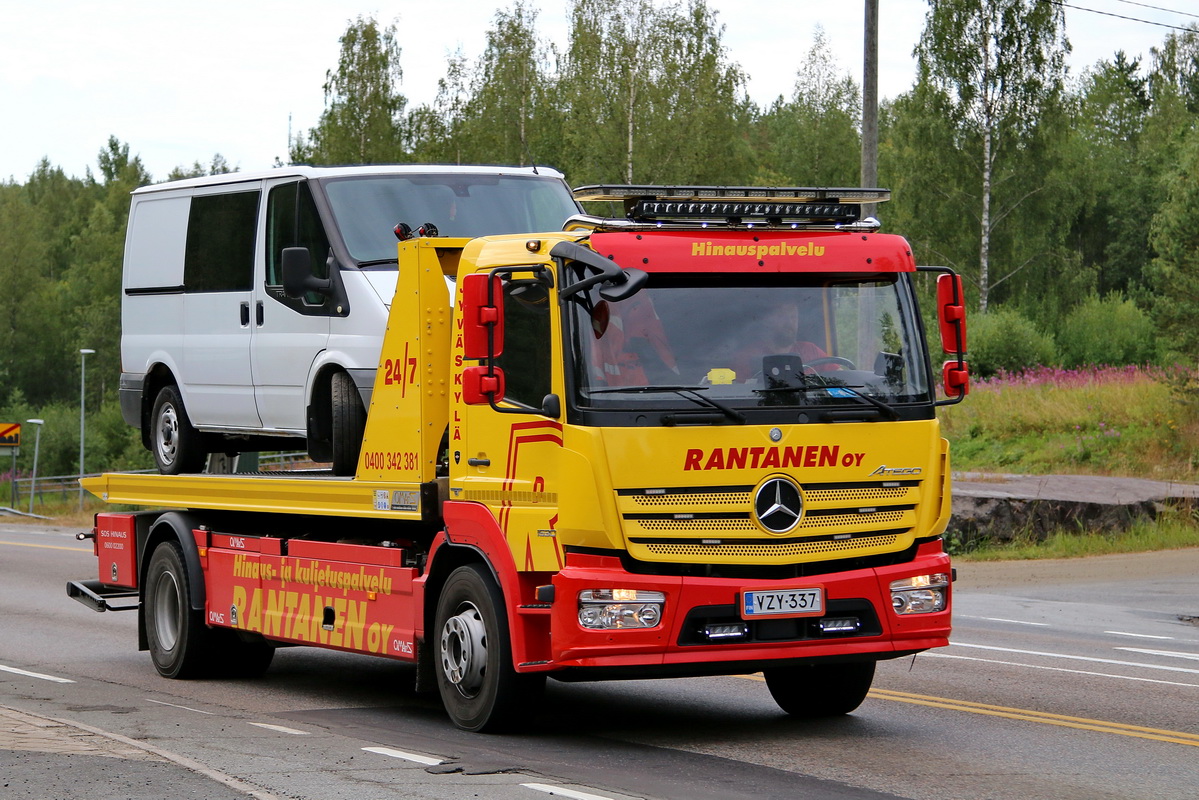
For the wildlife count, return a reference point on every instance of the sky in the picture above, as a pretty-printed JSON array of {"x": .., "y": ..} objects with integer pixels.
[{"x": 182, "y": 81}]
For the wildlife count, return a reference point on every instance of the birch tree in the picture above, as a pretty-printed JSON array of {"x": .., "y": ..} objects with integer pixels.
[{"x": 1001, "y": 63}]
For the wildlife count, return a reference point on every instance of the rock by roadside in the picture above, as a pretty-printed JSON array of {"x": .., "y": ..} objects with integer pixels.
[{"x": 998, "y": 507}]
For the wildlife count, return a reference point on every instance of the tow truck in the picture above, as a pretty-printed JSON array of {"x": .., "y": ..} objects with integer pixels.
[{"x": 696, "y": 435}]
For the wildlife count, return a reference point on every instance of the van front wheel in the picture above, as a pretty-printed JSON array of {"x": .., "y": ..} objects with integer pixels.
[{"x": 177, "y": 446}]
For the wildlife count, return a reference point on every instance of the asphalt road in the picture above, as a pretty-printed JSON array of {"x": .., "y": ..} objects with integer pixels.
[{"x": 1066, "y": 680}]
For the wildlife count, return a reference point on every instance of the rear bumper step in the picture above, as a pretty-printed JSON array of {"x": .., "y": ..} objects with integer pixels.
[{"x": 96, "y": 595}]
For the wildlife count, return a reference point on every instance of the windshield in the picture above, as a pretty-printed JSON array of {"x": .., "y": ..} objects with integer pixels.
[
  {"x": 368, "y": 208},
  {"x": 692, "y": 343}
]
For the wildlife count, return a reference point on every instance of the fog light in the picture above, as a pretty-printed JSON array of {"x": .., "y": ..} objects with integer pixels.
[
  {"x": 840, "y": 625},
  {"x": 603, "y": 609},
  {"x": 731, "y": 630},
  {"x": 921, "y": 594}
]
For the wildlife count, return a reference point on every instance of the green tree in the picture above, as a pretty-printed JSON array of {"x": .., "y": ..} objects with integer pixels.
[
  {"x": 1000, "y": 64},
  {"x": 1175, "y": 238},
  {"x": 510, "y": 102},
  {"x": 364, "y": 108},
  {"x": 1111, "y": 175},
  {"x": 650, "y": 95},
  {"x": 814, "y": 138}
]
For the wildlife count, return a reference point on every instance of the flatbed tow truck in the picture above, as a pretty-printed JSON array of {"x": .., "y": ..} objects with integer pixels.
[{"x": 696, "y": 439}]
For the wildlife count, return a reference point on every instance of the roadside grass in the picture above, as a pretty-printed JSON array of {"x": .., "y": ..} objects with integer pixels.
[
  {"x": 1125, "y": 421},
  {"x": 1098, "y": 421},
  {"x": 1171, "y": 531}
]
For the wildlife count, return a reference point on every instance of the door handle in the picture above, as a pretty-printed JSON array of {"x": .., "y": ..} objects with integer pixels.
[
  {"x": 245, "y": 315},
  {"x": 260, "y": 314}
]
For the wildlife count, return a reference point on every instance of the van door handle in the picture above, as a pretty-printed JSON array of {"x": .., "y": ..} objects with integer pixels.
[
  {"x": 260, "y": 314},
  {"x": 245, "y": 315}
]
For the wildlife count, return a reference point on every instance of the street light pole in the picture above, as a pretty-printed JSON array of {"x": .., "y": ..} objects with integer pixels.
[
  {"x": 83, "y": 354},
  {"x": 37, "y": 442}
]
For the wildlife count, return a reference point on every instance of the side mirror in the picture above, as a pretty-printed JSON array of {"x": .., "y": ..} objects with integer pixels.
[
  {"x": 482, "y": 316},
  {"x": 482, "y": 385},
  {"x": 298, "y": 279},
  {"x": 951, "y": 313},
  {"x": 955, "y": 376}
]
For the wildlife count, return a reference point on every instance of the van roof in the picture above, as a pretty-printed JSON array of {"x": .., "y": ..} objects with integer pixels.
[{"x": 337, "y": 172}]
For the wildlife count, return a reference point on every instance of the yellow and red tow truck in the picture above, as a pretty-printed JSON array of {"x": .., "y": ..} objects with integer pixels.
[{"x": 697, "y": 436}]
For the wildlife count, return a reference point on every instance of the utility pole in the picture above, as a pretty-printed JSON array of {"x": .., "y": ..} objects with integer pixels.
[{"x": 870, "y": 103}]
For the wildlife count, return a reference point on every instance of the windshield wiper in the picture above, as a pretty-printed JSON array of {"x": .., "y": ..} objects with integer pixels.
[
  {"x": 851, "y": 391},
  {"x": 377, "y": 262},
  {"x": 681, "y": 391}
]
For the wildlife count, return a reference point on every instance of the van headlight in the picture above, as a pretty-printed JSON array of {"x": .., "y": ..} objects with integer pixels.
[
  {"x": 604, "y": 609},
  {"x": 922, "y": 594}
]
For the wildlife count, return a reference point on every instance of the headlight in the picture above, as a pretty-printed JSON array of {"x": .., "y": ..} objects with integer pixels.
[
  {"x": 921, "y": 594},
  {"x": 601, "y": 609}
]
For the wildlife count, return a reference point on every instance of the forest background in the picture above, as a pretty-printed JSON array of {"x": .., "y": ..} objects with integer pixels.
[{"x": 1067, "y": 201}]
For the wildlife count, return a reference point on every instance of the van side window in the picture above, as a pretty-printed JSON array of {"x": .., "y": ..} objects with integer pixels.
[
  {"x": 219, "y": 254},
  {"x": 526, "y": 356},
  {"x": 292, "y": 221}
]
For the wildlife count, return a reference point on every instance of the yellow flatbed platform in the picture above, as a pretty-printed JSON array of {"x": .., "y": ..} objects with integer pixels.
[{"x": 318, "y": 493}]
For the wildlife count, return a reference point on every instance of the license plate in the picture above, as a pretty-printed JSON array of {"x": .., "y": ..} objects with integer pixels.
[{"x": 806, "y": 602}]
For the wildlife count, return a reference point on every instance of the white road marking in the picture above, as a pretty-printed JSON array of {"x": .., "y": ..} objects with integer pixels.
[
  {"x": 1060, "y": 669},
  {"x": 1015, "y": 621},
  {"x": 279, "y": 729},
  {"x": 1166, "y": 653},
  {"x": 558, "y": 791},
  {"x": 1138, "y": 635},
  {"x": 38, "y": 675},
  {"x": 1077, "y": 658},
  {"x": 419, "y": 759},
  {"x": 184, "y": 708}
]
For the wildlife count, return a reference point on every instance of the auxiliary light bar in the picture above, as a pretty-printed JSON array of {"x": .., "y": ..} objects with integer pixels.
[
  {"x": 730, "y": 194},
  {"x": 736, "y": 205}
]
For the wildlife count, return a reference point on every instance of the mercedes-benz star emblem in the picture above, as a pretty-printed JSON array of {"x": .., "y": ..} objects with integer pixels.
[{"x": 778, "y": 505}]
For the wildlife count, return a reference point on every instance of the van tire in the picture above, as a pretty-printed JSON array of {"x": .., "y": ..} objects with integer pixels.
[
  {"x": 349, "y": 424},
  {"x": 176, "y": 445}
]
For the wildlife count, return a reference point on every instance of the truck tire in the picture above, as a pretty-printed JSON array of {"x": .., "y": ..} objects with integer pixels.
[
  {"x": 479, "y": 686},
  {"x": 349, "y": 424},
  {"x": 820, "y": 690},
  {"x": 176, "y": 445},
  {"x": 175, "y": 632}
]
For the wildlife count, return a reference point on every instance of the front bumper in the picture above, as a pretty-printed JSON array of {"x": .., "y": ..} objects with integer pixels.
[{"x": 680, "y": 644}]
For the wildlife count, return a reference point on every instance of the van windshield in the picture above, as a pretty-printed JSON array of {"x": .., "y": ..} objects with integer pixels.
[{"x": 367, "y": 209}]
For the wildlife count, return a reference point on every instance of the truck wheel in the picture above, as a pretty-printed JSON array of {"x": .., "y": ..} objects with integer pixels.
[
  {"x": 820, "y": 690},
  {"x": 349, "y": 423},
  {"x": 176, "y": 444},
  {"x": 175, "y": 632},
  {"x": 479, "y": 687}
]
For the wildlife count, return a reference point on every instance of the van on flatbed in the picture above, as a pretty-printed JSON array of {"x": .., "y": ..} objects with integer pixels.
[{"x": 220, "y": 354}]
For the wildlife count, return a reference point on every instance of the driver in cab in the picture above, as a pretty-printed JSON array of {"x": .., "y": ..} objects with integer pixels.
[{"x": 775, "y": 334}]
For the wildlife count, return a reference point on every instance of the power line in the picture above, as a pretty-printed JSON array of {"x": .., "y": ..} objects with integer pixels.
[
  {"x": 1159, "y": 8},
  {"x": 1118, "y": 16}
]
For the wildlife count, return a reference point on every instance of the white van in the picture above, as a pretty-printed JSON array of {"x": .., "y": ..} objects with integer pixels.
[{"x": 217, "y": 356}]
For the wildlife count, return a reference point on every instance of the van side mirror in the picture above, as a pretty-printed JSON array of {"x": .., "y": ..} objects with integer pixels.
[
  {"x": 482, "y": 316},
  {"x": 298, "y": 279}
]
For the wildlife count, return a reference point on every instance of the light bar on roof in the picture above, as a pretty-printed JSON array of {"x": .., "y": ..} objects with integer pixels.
[{"x": 731, "y": 194}]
